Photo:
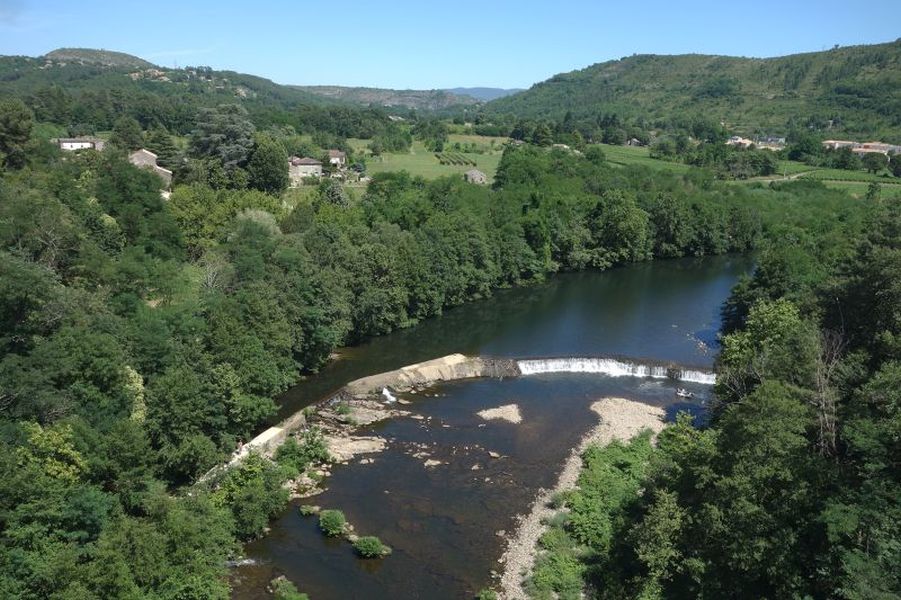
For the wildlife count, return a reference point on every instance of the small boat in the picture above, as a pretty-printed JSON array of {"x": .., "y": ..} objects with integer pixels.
[{"x": 683, "y": 393}]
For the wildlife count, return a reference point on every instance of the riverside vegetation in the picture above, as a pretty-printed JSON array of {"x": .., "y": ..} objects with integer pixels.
[
  {"x": 792, "y": 491},
  {"x": 141, "y": 340}
]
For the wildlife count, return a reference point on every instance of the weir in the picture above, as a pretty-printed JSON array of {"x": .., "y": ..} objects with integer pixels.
[{"x": 615, "y": 367}]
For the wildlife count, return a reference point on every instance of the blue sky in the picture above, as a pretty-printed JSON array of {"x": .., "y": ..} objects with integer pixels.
[{"x": 434, "y": 44}]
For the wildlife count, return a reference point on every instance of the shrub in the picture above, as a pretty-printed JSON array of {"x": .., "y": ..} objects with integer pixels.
[
  {"x": 298, "y": 455},
  {"x": 370, "y": 546},
  {"x": 253, "y": 493},
  {"x": 282, "y": 589},
  {"x": 308, "y": 509},
  {"x": 487, "y": 594},
  {"x": 332, "y": 522}
]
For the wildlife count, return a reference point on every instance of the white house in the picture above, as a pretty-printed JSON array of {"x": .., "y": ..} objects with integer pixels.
[
  {"x": 337, "y": 158},
  {"x": 79, "y": 143}
]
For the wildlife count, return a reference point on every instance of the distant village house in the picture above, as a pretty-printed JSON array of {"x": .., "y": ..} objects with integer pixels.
[
  {"x": 337, "y": 158},
  {"x": 79, "y": 143},
  {"x": 761, "y": 143},
  {"x": 147, "y": 160},
  {"x": 475, "y": 176},
  {"x": 864, "y": 148},
  {"x": 298, "y": 168}
]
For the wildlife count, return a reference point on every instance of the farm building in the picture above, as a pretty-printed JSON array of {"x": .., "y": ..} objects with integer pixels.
[
  {"x": 79, "y": 143},
  {"x": 298, "y": 168},
  {"x": 147, "y": 160},
  {"x": 475, "y": 176},
  {"x": 337, "y": 158}
]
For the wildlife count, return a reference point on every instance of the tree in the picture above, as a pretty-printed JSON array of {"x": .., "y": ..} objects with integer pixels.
[
  {"x": 160, "y": 143},
  {"x": 268, "y": 167},
  {"x": 16, "y": 121},
  {"x": 803, "y": 146},
  {"x": 224, "y": 133},
  {"x": 595, "y": 155},
  {"x": 331, "y": 191},
  {"x": 542, "y": 135},
  {"x": 896, "y": 165},
  {"x": 873, "y": 191},
  {"x": 127, "y": 134},
  {"x": 776, "y": 344},
  {"x": 874, "y": 161}
]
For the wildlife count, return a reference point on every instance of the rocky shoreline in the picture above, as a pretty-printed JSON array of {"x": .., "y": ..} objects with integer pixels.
[{"x": 620, "y": 419}]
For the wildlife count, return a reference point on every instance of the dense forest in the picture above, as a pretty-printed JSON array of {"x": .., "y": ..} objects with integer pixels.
[
  {"x": 87, "y": 91},
  {"x": 792, "y": 490},
  {"x": 845, "y": 92}
]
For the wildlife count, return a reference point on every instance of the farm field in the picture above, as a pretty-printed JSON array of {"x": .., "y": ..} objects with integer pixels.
[
  {"x": 844, "y": 175},
  {"x": 632, "y": 155},
  {"x": 423, "y": 163},
  {"x": 838, "y": 178},
  {"x": 485, "y": 141},
  {"x": 859, "y": 188}
]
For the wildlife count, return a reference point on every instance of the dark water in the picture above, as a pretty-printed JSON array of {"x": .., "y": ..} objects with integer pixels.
[
  {"x": 442, "y": 522},
  {"x": 654, "y": 310}
]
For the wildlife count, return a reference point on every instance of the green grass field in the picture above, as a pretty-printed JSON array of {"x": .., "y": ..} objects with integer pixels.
[
  {"x": 844, "y": 175},
  {"x": 423, "y": 163},
  {"x": 633, "y": 155},
  {"x": 483, "y": 142},
  {"x": 859, "y": 188},
  {"x": 791, "y": 167}
]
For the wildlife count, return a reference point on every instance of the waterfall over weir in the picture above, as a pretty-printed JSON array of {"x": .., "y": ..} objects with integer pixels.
[{"x": 614, "y": 368}]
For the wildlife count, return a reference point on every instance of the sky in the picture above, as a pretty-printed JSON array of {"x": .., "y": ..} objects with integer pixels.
[{"x": 435, "y": 43}]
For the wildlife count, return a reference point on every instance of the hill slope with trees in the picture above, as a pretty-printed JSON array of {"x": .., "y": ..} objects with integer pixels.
[{"x": 855, "y": 91}]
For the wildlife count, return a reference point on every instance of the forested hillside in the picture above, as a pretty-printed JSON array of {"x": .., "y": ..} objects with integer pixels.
[
  {"x": 851, "y": 92},
  {"x": 86, "y": 91}
]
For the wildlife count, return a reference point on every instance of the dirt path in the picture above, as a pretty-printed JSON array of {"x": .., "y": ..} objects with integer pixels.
[{"x": 620, "y": 419}]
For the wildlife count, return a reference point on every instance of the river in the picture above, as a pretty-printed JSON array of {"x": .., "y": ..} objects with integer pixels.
[{"x": 446, "y": 523}]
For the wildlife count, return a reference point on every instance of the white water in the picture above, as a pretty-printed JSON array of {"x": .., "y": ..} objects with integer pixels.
[
  {"x": 612, "y": 368},
  {"x": 389, "y": 397}
]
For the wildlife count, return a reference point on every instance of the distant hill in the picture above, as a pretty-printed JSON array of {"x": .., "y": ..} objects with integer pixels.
[
  {"x": 854, "y": 90},
  {"x": 418, "y": 99},
  {"x": 76, "y": 87},
  {"x": 484, "y": 94},
  {"x": 106, "y": 58}
]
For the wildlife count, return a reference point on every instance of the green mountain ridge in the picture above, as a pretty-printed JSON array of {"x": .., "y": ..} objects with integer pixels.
[{"x": 855, "y": 90}]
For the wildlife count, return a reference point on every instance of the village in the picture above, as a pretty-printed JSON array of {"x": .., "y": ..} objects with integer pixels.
[{"x": 777, "y": 144}]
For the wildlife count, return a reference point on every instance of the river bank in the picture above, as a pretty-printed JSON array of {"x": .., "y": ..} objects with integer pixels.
[{"x": 620, "y": 419}]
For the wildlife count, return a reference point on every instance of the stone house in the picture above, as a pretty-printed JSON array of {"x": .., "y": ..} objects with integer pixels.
[
  {"x": 475, "y": 176},
  {"x": 147, "y": 160},
  {"x": 298, "y": 168}
]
